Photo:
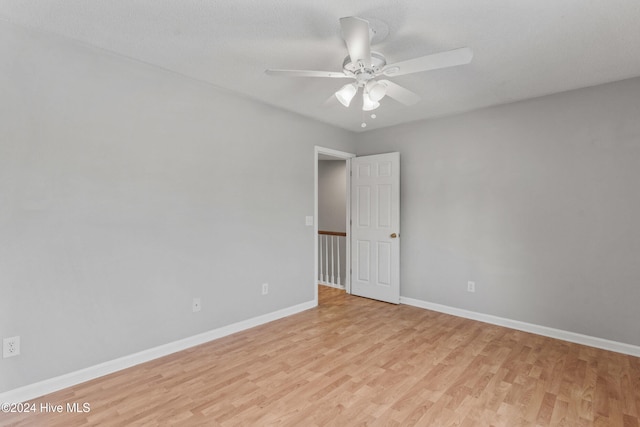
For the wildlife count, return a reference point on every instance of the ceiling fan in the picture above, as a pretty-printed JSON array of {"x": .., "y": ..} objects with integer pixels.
[{"x": 366, "y": 67}]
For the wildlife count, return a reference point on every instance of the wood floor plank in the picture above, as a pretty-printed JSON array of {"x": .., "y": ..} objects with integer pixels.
[{"x": 353, "y": 361}]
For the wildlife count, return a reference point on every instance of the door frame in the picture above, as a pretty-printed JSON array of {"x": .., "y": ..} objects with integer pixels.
[{"x": 347, "y": 157}]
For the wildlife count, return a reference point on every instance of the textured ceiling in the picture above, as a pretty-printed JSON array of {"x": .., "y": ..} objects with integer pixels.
[{"x": 522, "y": 49}]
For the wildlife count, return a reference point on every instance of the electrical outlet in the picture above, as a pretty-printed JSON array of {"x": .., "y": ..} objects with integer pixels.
[
  {"x": 265, "y": 288},
  {"x": 196, "y": 305},
  {"x": 10, "y": 347},
  {"x": 471, "y": 286}
]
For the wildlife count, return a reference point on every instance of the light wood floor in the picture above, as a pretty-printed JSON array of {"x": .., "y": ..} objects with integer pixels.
[{"x": 354, "y": 361}]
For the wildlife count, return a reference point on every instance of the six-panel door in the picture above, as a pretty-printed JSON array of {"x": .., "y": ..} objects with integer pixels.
[{"x": 375, "y": 227}]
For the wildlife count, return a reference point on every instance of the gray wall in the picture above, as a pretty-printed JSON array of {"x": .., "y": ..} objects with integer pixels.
[
  {"x": 126, "y": 191},
  {"x": 332, "y": 193},
  {"x": 537, "y": 201}
]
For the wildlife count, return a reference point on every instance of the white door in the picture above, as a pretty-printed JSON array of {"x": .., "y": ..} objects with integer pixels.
[{"x": 375, "y": 227}]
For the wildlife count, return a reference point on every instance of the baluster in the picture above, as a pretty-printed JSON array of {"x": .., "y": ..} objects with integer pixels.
[
  {"x": 332, "y": 269},
  {"x": 326, "y": 259},
  {"x": 338, "y": 257},
  {"x": 320, "y": 265}
]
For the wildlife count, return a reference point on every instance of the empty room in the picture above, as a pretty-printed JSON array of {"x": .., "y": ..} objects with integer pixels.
[{"x": 248, "y": 213}]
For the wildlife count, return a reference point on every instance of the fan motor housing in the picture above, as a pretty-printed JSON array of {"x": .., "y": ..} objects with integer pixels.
[{"x": 361, "y": 73}]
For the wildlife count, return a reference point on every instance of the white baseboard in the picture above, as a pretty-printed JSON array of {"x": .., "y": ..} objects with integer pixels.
[
  {"x": 51, "y": 385},
  {"x": 331, "y": 285},
  {"x": 573, "y": 337}
]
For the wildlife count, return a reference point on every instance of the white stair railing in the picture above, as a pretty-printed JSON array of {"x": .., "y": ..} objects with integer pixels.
[{"x": 330, "y": 245}]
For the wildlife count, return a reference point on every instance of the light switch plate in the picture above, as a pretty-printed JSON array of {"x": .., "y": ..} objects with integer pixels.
[{"x": 308, "y": 220}]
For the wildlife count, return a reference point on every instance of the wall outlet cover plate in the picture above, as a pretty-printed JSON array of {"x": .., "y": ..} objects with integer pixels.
[{"x": 10, "y": 347}]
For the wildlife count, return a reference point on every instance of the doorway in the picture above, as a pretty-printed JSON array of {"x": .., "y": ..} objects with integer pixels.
[
  {"x": 372, "y": 236},
  {"x": 332, "y": 246}
]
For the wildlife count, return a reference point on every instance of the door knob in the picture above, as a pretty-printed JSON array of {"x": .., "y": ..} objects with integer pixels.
[{"x": 393, "y": 235}]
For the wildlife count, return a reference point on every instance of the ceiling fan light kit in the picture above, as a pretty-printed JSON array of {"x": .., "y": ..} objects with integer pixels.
[
  {"x": 346, "y": 93},
  {"x": 365, "y": 66},
  {"x": 368, "y": 104},
  {"x": 376, "y": 90}
]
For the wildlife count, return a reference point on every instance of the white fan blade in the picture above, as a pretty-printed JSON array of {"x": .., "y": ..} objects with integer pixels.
[
  {"x": 400, "y": 94},
  {"x": 355, "y": 32},
  {"x": 450, "y": 58},
  {"x": 308, "y": 73}
]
